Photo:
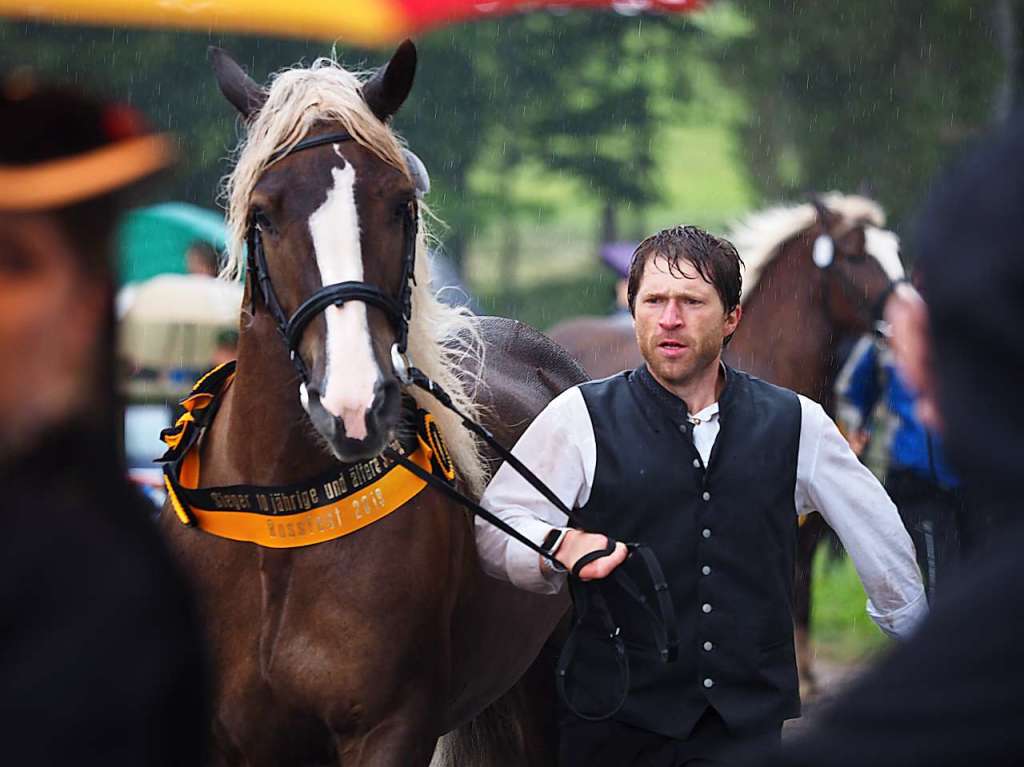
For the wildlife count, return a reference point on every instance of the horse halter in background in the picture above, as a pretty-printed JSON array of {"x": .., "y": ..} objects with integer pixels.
[
  {"x": 823, "y": 256},
  {"x": 398, "y": 311}
]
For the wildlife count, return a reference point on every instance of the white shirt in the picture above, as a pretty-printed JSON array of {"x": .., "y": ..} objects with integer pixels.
[{"x": 559, "y": 447}]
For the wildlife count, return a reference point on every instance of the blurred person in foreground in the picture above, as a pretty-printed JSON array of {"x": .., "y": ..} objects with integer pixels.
[
  {"x": 952, "y": 695},
  {"x": 100, "y": 657}
]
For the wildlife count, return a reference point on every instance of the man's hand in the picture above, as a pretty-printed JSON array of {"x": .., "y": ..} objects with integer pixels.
[
  {"x": 910, "y": 340},
  {"x": 577, "y": 544},
  {"x": 858, "y": 439}
]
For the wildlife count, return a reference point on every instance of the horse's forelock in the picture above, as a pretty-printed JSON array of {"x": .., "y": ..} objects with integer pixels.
[
  {"x": 760, "y": 236},
  {"x": 298, "y": 100}
]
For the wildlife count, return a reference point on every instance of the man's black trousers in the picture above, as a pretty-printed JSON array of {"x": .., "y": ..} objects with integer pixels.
[{"x": 614, "y": 744}]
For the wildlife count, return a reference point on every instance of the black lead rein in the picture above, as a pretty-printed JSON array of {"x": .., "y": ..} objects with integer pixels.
[{"x": 584, "y": 593}]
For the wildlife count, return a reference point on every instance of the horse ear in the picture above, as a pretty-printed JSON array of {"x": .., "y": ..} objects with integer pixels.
[
  {"x": 387, "y": 89},
  {"x": 826, "y": 217},
  {"x": 238, "y": 88}
]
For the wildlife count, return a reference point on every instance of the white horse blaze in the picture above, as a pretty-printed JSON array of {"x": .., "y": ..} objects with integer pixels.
[
  {"x": 351, "y": 370},
  {"x": 885, "y": 247}
]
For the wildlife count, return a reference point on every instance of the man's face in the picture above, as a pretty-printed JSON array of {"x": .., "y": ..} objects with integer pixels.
[
  {"x": 50, "y": 321},
  {"x": 680, "y": 322}
]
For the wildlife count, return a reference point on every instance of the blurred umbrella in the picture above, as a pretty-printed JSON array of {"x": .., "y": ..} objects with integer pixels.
[
  {"x": 171, "y": 322},
  {"x": 153, "y": 240},
  {"x": 362, "y": 22}
]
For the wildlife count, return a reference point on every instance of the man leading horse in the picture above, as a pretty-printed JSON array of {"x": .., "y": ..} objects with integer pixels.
[{"x": 711, "y": 467}]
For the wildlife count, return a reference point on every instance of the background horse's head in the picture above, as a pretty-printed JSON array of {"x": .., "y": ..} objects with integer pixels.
[
  {"x": 856, "y": 258},
  {"x": 835, "y": 248},
  {"x": 344, "y": 211}
]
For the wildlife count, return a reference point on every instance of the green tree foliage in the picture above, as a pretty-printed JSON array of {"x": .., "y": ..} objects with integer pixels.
[
  {"x": 574, "y": 93},
  {"x": 867, "y": 96}
]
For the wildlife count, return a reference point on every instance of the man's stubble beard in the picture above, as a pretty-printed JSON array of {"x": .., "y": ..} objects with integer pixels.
[{"x": 705, "y": 355}]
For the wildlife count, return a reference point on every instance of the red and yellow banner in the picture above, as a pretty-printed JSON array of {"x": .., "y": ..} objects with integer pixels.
[{"x": 362, "y": 22}]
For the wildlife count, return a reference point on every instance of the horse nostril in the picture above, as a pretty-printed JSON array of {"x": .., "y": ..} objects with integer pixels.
[
  {"x": 383, "y": 393},
  {"x": 386, "y": 402},
  {"x": 324, "y": 421}
]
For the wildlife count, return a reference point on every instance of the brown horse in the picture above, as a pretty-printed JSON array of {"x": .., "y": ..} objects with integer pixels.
[
  {"x": 602, "y": 345},
  {"x": 365, "y": 649},
  {"x": 815, "y": 275}
]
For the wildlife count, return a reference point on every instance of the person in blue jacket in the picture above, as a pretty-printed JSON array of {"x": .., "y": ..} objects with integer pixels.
[{"x": 920, "y": 482}]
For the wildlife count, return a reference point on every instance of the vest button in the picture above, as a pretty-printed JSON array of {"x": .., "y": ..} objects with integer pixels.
[
  {"x": 706, "y": 607},
  {"x": 683, "y": 428},
  {"x": 706, "y": 532},
  {"x": 709, "y": 683},
  {"x": 706, "y": 570},
  {"x": 706, "y": 495},
  {"x": 708, "y": 646},
  {"x": 696, "y": 463}
]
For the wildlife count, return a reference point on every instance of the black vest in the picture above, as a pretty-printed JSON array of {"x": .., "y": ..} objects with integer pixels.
[{"x": 725, "y": 535}]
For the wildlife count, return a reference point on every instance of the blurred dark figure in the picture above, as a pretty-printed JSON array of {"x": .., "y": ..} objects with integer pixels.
[
  {"x": 201, "y": 258},
  {"x": 100, "y": 661},
  {"x": 952, "y": 694},
  {"x": 604, "y": 345}
]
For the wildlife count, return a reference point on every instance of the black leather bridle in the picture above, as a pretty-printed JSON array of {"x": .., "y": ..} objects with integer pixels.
[{"x": 398, "y": 310}]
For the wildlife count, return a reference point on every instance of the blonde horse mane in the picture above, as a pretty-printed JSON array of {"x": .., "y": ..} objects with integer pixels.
[
  {"x": 442, "y": 339},
  {"x": 760, "y": 236}
]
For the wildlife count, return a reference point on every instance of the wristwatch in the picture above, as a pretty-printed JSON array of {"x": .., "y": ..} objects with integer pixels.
[{"x": 551, "y": 543}]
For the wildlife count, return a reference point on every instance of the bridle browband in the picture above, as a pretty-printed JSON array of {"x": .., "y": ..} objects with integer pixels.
[{"x": 398, "y": 310}]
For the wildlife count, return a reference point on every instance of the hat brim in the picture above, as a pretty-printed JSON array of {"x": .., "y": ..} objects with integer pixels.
[
  {"x": 69, "y": 180},
  {"x": 618, "y": 256}
]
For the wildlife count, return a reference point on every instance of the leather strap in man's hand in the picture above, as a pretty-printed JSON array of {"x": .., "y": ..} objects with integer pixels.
[{"x": 578, "y": 544}]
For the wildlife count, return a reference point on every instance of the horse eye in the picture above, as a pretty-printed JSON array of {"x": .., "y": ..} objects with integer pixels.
[
  {"x": 857, "y": 258},
  {"x": 261, "y": 221}
]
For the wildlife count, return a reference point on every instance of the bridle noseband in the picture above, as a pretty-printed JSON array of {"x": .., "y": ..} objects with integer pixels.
[{"x": 398, "y": 310}]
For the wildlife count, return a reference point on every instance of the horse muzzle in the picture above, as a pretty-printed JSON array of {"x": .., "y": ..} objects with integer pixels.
[{"x": 354, "y": 443}]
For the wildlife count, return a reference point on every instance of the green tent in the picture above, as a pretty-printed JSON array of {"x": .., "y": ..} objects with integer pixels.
[{"x": 153, "y": 240}]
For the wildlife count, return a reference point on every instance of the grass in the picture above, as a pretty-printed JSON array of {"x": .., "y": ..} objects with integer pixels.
[{"x": 841, "y": 628}]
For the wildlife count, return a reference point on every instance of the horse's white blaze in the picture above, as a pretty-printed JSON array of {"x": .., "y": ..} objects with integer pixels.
[
  {"x": 885, "y": 247},
  {"x": 351, "y": 369}
]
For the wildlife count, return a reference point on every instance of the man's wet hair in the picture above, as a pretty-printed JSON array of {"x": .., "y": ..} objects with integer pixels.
[{"x": 716, "y": 260}]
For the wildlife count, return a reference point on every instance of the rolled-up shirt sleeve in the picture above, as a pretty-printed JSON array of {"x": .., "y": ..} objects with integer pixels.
[
  {"x": 559, "y": 447},
  {"x": 831, "y": 480}
]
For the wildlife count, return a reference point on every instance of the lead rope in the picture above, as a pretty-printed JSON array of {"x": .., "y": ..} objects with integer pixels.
[{"x": 584, "y": 593}]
